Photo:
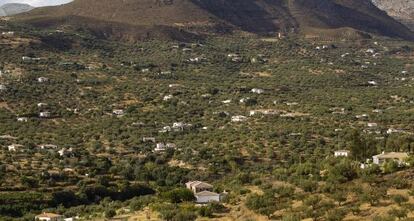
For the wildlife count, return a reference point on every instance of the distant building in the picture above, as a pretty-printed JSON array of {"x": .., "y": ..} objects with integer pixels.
[
  {"x": 22, "y": 119},
  {"x": 167, "y": 97},
  {"x": 45, "y": 114},
  {"x": 163, "y": 147},
  {"x": 118, "y": 112},
  {"x": 198, "y": 186},
  {"x": 14, "y": 147},
  {"x": 238, "y": 118},
  {"x": 41, "y": 104},
  {"x": 373, "y": 83},
  {"x": 342, "y": 153},
  {"x": 148, "y": 139},
  {"x": 203, "y": 192},
  {"x": 372, "y": 124},
  {"x": 49, "y": 217},
  {"x": 393, "y": 131},
  {"x": 257, "y": 91},
  {"x": 42, "y": 79},
  {"x": 48, "y": 146},
  {"x": 207, "y": 197},
  {"x": 398, "y": 157}
]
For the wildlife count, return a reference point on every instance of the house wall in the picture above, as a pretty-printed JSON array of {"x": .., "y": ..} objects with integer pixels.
[{"x": 207, "y": 199}]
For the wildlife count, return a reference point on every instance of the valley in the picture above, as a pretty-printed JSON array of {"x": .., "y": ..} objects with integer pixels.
[{"x": 220, "y": 119}]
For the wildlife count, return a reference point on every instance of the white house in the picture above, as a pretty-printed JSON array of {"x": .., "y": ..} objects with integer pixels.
[
  {"x": 198, "y": 186},
  {"x": 45, "y": 114},
  {"x": 257, "y": 91},
  {"x": 148, "y": 139},
  {"x": 41, "y": 104},
  {"x": 14, "y": 147},
  {"x": 207, "y": 197},
  {"x": 342, "y": 153},
  {"x": 372, "y": 124},
  {"x": 163, "y": 147},
  {"x": 48, "y": 146},
  {"x": 393, "y": 131},
  {"x": 42, "y": 79},
  {"x": 238, "y": 118},
  {"x": 22, "y": 119},
  {"x": 118, "y": 112},
  {"x": 226, "y": 102},
  {"x": 398, "y": 157},
  {"x": 64, "y": 151},
  {"x": 49, "y": 217},
  {"x": 167, "y": 97},
  {"x": 373, "y": 83}
]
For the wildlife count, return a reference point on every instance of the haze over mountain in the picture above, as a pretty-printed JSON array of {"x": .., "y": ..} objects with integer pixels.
[
  {"x": 14, "y": 8},
  {"x": 179, "y": 18},
  {"x": 402, "y": 10}
]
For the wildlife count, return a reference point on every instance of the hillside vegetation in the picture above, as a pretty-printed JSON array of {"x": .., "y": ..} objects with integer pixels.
[{"x": 258, "y": 118}]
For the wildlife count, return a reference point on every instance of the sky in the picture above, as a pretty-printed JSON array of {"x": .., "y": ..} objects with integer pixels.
[{"x": 36, "y": 3}]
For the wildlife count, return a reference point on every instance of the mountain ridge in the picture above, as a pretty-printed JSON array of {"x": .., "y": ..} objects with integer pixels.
[
  {"x": 255, "y": 16},
  {"x": 14, "y": 9},
  {"x": 402, "y": 10}
]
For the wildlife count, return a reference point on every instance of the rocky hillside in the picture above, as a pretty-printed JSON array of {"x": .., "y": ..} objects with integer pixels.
[
  {"x": 148, "y": 18},
  {"x": 14, "y": 8},
  {"x": 402, "y": 10}
]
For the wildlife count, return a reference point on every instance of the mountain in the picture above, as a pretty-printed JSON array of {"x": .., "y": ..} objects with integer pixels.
[
  {"x": 402, "y": 10},
  {"x": 14, "y": 8},
  {"x": 133, "y": 19}
]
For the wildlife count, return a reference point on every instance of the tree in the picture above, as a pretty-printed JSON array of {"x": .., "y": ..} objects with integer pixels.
[
  {"x": 180, "y": 195},
  {"x": 65, "y": 198}
]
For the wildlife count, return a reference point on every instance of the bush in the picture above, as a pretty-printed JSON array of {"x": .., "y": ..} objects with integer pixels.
[
  {"x": 399, "y": 213},
  {"x": 109, "y": 213},
  {"x": 399, "y": 199},
  {"x": 335, "y": 215}
]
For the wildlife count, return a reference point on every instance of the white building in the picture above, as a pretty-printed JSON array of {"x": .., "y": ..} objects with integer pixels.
[
  {"x": 342, "y": 153},
  {"x": 398, "y": 157},
  {"x": 198, "y": 186},
  {"x": 45, "y": 114},
  {"x": 257, "y": 91},
  {"x": 41, "y": 104},
  {"x": 164, "y": 146},
  {"x": 118, "y": 112},
  {"x": 64, "y": 151},
  {"x": 372, "y": 124},
  {"x": 167, "y": 97},
  {"x": 393, "y": 131},
  {"x": 49, "y": 217},
  {"x": 238, "y": 118},
  {"x": 14, "y": 147},
  {"x": 148, "y": 139},
  {"x": 42, "y": 79},
  {"x": 207, "y": 197},
  {"x": 373, "y": 83},
  {"x": 48, "y": 146},
  {"x": 22, "y": 119}
]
